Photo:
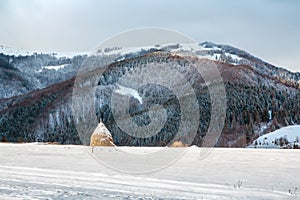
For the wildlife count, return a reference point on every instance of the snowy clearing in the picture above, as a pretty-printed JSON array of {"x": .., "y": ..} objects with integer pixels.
[
  {"x": 22, "y": 52},
  {"x": 279, "y": 138},
  {"x": 182, "y": 48},
  {"x": 50, "y": 67},
  {"x": 33, "y": 171},
  {"x": 128, "y": 91}
]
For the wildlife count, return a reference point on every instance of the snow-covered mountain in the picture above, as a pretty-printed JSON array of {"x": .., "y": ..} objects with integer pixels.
[
  {"x": 23, "y": 71},
  {"x": 36, "y": 92},
  {"x": 286, "y": 137},
  {"x": 211, "y": 51},
  {"x": 42, "y": 69},
  {"x": 201, "y": 50},
  {"x": 22, "y": 52}
]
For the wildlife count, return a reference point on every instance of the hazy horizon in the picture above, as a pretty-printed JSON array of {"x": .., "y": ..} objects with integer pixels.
[{"x": 268, "y": 29}]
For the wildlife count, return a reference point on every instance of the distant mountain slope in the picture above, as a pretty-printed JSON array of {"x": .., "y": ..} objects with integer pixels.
[
  {"x": 23, "y": 118},
  {"x": 22, "y": 74},
  {"x": 13, "y": 82},
  {"x": 258, "y": 103}
]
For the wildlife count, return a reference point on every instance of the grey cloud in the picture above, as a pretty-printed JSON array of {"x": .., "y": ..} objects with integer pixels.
[{"x": 269, "y": 29}]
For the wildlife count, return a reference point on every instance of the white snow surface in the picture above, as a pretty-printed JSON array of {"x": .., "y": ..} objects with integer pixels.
[
  {"x": 234, "y": 57},
  {"x": 16, "y": 52},
  {"x": 192, "y": 47},
  {"x": 291, "y": 133},
  {"x": 22, "y": 52},
  {"x": 128, "y": 92},
  {"x": 37, "y": 171},
  {"x": 183, "y": 48},
  {"x": 54, "y": 67},
  {"x": 70, "y": 54}
]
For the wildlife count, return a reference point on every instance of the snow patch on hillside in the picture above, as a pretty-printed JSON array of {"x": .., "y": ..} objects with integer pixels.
[
  {"x": 23, "y": 52},
  {"x": 129, "y": 92},
  {"x": 170, "y": 47},
  {"x": 71, "y": 54},
  {"x": 285, "y": 137},
  {"x": 52, "y": 67},
  {"x": 234, "y": 57},
  {"x": 15, "y": 52},
  {"x": 200, "y": 50}
]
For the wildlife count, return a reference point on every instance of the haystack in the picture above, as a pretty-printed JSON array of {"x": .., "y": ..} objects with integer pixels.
[
  {"x": 178, "y": 144},
  {"x": 101, "y": 136}
]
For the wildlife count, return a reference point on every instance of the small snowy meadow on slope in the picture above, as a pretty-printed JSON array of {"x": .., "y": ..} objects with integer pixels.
[{"x": 286, "y": 137}]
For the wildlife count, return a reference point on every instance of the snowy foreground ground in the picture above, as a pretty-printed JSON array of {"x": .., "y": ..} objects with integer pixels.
[{"x": 35, "y": 171}]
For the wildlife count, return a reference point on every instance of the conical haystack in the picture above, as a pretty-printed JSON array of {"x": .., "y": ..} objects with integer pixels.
[
  {"x": 178, "y": 144},
  {"x": 101, "y": 136}
]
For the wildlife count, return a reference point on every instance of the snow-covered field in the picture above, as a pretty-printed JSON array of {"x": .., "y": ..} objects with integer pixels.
[{"x": 36, "y": 171}]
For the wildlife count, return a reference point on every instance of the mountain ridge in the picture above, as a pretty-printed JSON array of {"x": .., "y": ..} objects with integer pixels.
[{"x": 46, "y": 115}]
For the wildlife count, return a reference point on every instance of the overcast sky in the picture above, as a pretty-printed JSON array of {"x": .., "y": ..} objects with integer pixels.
[{"x": 269, "y": 29}]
